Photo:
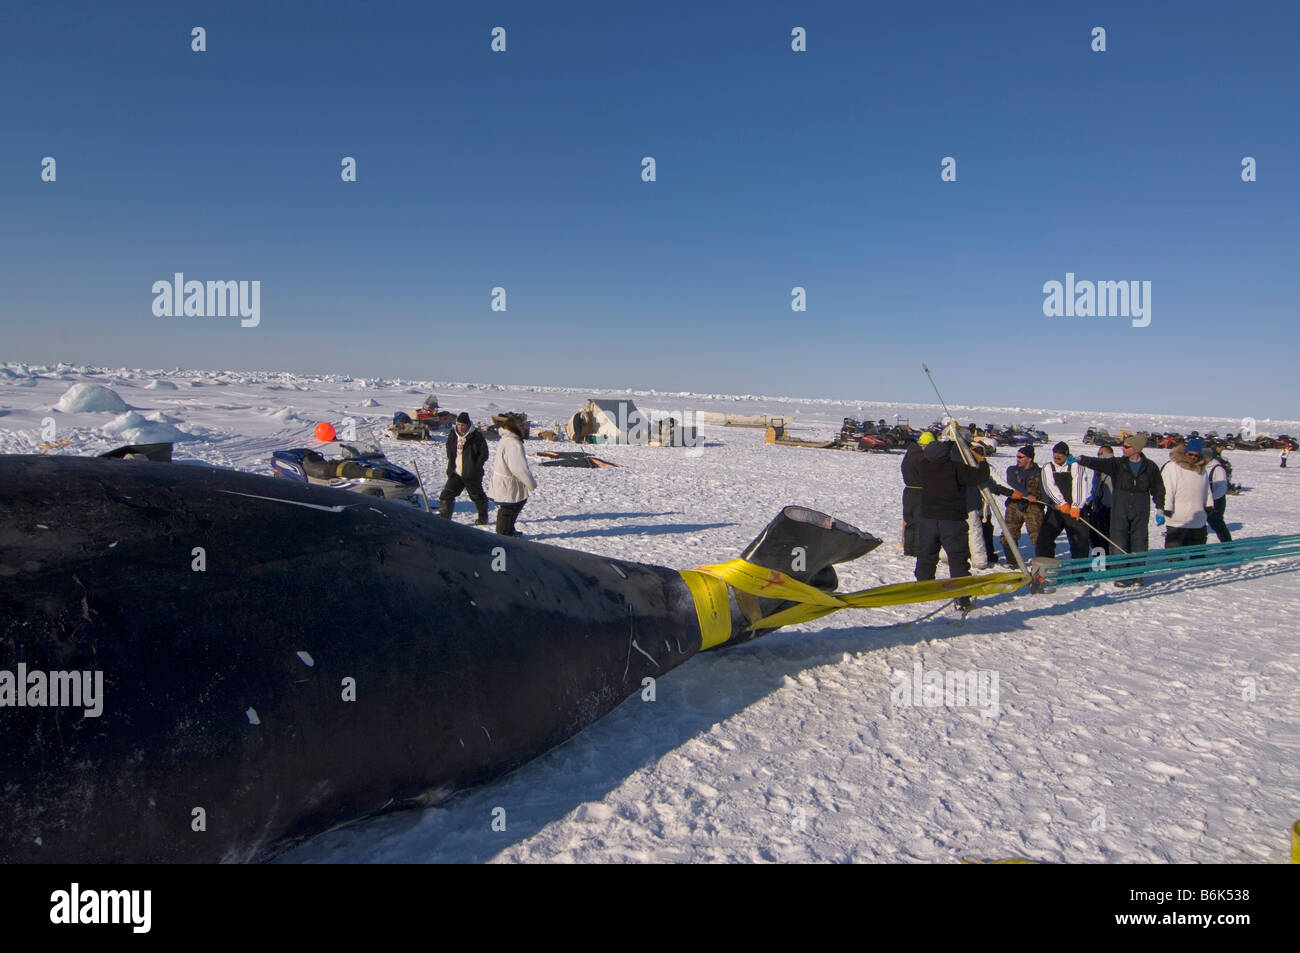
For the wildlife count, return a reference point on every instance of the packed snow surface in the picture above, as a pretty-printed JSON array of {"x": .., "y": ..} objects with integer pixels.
[{"x": 1159, "y": 724}]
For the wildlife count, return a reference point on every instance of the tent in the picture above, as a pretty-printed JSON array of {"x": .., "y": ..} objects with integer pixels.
[
  {"x": 619, "y": 421},
  {"x": 609, "y": 421}
]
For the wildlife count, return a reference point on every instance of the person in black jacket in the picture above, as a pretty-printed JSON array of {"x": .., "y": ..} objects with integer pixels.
[
  {"x": 1136, "y": 484},
  {"x": 943, "y": 512},
  {"x": 467, "y": 455},
  {"x": 911, "y": 468},
  {"x": 1097, "y": 509}
]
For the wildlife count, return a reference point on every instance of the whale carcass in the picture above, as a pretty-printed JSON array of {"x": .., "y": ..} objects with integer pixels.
[{"x": 273, "y": 660}]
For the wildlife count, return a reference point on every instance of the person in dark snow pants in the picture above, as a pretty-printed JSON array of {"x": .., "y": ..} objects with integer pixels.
[
  {"x": 943, "y": 512},
  {"x": 911, "y": 468},
  {"x": 1136, "y": 486},
  {"x": 467, "y": 455},
  {"x": 1218, "y": 474},
  {"x": 1188, "y": 496},
  {"x": 1097, "y": 509},
  {"x": 1063, "y": 488}
]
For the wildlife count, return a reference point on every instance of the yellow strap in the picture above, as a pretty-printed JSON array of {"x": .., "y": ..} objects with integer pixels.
[
  {"x": 711, "y": 607},
  {"x": 769, "y": 583},
  {"x": 812, "y": 603}
]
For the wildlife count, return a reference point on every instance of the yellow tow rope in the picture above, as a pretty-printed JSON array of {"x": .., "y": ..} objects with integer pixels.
[{"x": 708, "y": 584}]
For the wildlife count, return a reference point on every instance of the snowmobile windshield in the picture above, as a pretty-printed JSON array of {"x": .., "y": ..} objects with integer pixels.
[{"x": 361, "y": 451}]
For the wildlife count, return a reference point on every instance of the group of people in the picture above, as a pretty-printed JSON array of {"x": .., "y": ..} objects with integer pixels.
[
  {"x": 1102, "y": 502},
  {"x": 509, "y": 485}
]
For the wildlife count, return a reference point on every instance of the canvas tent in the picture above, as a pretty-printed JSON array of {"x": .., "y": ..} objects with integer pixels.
[
  {"x": 619, "y": 421},
  {"x": 607, "y": 420}
]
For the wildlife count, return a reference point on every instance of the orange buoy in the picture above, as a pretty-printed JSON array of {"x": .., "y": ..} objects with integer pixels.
[{"x": 324, "y": 432}]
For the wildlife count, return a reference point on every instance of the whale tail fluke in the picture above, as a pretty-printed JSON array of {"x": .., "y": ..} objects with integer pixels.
[{"x": 805, "y": 545}]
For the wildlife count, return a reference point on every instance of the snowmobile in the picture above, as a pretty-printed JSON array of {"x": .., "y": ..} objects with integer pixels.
[
  {"x": 858, "y": 435},
  {"x": 870, "y": 441},
  {"x": 435, "y": 419},
  {"x": 900, "y": 436},
  {"x": 363, "y": 469},
  {"x": 1014, "y": 435},
  {"x": 850, "y": 430}
]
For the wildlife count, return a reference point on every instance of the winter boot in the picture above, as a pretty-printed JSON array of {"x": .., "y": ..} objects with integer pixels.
[
  {"x": 444, "y": 509},
  {"x": 482, "y": 514},
  {"x": 506, "y": 517}
]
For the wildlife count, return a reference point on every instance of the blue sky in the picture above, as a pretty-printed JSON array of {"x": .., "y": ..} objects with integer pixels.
[{"x": 775, "y": 169}]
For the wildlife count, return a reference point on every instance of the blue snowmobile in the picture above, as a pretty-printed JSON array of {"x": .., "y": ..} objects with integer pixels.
[{"x": 362, "y": 469}]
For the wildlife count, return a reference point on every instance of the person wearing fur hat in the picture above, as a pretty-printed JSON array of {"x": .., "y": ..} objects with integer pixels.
[
  {"x": 511, "y": 480},
  {"x": 1136, "y": 484},
  {"x": 1024, "y": 508},
  {"x": 467, "y": 455},
  {"x": 1188, "y": 497},
  {"x": 1063, "y": 488}
]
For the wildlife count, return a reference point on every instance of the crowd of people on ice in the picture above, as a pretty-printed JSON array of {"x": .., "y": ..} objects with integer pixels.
[{"x": 1102, "y": 502}]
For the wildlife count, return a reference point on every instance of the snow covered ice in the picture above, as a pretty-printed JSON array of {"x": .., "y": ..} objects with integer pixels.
[
  {"x": 1142, "y": 725},
  {"x": 90, "y": 399}
]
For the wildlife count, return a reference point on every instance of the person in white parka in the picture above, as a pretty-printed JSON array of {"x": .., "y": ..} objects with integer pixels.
[
  {"x": 1188, "y": 496},
  {"x": 511, "y": 480}
]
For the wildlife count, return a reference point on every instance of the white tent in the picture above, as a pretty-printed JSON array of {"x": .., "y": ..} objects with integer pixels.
[
  {"x": 619, "y": 421},
  {"x": 611, "y": 419}
]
